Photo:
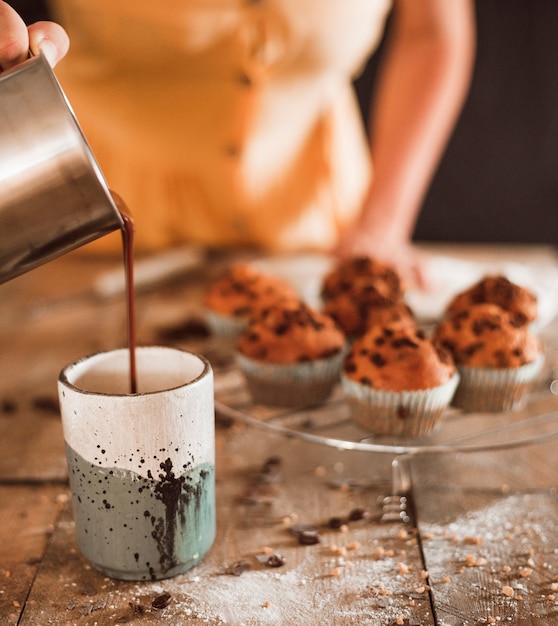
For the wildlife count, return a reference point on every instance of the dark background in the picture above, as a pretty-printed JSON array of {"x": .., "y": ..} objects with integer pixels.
[{"x": 498, "y": 180}]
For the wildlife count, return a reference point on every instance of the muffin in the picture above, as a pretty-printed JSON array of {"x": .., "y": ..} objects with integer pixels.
[
  {"x": 291, "y": 355},
  {"x": 360, "y": 292},
  {"x": 518, "y": 301},
  {"x": 347, "y": 272},
  {"x": 397, "y": 381},
  {"x": 239, "y": 294},
  {"x": 497, "y": 359},
  {"x": 362, "y": 306}
]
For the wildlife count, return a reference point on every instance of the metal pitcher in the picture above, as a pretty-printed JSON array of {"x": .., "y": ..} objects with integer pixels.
[{"x": 53, "y": 196}]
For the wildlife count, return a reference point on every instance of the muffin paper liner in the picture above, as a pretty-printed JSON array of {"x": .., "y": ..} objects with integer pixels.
[
  {"x": 493, "y": 390},
  {"x": 291, "y": 385},
  {"x": 403, "y": 414}
]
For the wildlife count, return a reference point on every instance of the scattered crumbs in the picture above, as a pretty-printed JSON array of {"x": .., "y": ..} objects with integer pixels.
[
  {"x": 62, "y": 498},
  {"x": 339, "y": 550},
  {"x": 403, "y": 568},
  {"x": 353, "y": 546},
  {"x": 506, "y": 569},
  {"x": 287, "y": 520},
  {"x": 266, "y": 604},
  {"x": 508, "y": 591},
  {"x": 335, "y": 572},
  {"x": 320, "y": 470},
  {"x": 525, "y": 572},
  {"x": 402, "y": 534},
  {"x": 474, "y": 541},
  {"x": 446, "y": 580},
  {"x": 471, "y": 560}
]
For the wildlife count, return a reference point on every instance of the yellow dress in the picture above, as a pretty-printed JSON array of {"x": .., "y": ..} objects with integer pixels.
[{"x": 225, "y": 122}]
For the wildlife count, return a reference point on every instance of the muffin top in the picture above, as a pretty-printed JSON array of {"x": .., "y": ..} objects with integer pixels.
[
  {"x": 357, "y": 311},
  {"x": 398, "y": 357},
  {"x": 485, "y": 335},
  {"x": 244, "y": 291},
  {"x": 519, "y": 301},
  {"x": 291, "y": 333},
  {"x": 348, "y": 273}
]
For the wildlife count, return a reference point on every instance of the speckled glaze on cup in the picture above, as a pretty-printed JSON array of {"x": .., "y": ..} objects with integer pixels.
[{"x": 142, "y": 466}]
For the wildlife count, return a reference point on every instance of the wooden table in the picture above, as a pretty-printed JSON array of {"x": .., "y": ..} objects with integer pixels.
[{"x": 475, "y": 541}]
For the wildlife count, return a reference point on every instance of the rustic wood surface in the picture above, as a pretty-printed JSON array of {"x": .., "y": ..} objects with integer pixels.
[{"x": 480, "y": 545}]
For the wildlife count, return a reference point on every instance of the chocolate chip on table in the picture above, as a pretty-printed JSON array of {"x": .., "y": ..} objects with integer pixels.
[
  {"x": 188, "y": 329},
  {"x": 306, "y": 534},
  {"x": 238, "y": 568},
  {"x": 162, "y": 601},
  {"x": 308, "y": 537},
  {"x": 335, "y": 523},
  {"x": 357, "y": 514},
  {"x": 137, "y": 609},
  {"x": 46, "y": 404},
  {"x": 8, "y": 406},
  {"x": 275, "y": 560}
]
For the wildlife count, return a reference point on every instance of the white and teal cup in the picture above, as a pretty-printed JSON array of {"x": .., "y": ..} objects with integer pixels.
[{"x": 141, "y": 466}]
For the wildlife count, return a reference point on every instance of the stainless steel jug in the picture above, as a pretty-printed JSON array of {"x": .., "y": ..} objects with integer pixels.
[{"x": 53, "y": 196}]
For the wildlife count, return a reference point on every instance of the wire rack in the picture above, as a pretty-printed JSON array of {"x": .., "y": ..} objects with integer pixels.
[{"x": 330, "y": 423}]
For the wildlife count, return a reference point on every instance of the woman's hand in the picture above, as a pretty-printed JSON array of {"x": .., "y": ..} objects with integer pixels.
[
  {"x": 17, "y": 40},
  {"x": 402, "y": 255}
]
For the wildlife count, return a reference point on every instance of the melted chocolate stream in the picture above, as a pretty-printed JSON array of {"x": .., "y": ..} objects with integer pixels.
[{"x": 128, "y": 232}]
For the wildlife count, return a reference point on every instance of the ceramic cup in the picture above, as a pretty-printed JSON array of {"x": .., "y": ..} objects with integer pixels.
[{"x": 142, "y": 466}]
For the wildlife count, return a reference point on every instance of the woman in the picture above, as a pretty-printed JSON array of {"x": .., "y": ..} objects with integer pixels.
[{"x": 234, "y": 123}]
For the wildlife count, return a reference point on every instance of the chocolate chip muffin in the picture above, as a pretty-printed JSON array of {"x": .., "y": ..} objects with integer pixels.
[
  {"x": 239, "y": 294},
  {"x": 346, "y": 272},
  {"x": 364, "y": 306},
  {"x": 497, "y": 355},
  {"x": 291, "y": 355},
  {"x": 360, "y": 292},
  {"x": 397, "y": 381},
  {"x": 518, "y": 301}
]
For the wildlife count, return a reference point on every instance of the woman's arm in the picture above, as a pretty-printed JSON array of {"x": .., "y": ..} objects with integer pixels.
[
  {"x": 422, "y": 86},
  {"x": 16, "y": 39}
]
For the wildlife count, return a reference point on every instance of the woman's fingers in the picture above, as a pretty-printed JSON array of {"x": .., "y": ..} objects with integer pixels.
[
  {"x": 16, "y": 39},
  {"x": 50, "y": 39}
]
